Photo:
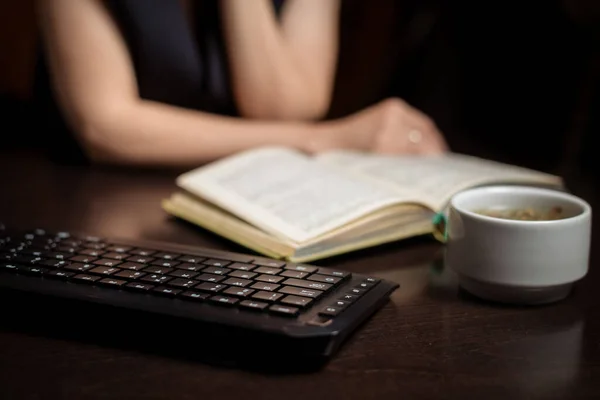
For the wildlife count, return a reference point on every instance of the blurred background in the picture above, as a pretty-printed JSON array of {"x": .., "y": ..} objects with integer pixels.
[{"x": 517, "y": 81}]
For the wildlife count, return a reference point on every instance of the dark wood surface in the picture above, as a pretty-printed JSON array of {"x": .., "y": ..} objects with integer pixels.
[{"x": 431, "y": 341}]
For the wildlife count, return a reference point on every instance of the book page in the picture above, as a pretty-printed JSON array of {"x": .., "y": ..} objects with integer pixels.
[
  {"x": 288, "y": 194},
  {"x": 435, "y": 178}
]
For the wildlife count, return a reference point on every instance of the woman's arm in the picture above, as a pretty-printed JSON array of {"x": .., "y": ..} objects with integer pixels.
[
  {"x": 95, "y": 84},
  {"x": 282, "y": 70}
]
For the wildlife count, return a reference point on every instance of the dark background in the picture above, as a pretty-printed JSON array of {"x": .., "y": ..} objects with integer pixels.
[{"x": 519, "y": 78}]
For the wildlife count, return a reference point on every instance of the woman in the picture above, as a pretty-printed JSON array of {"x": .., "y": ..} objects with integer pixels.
[{"x": 179, "y": 83}]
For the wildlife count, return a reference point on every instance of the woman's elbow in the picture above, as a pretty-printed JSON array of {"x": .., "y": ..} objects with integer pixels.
[{"x": 102, "y": 144}]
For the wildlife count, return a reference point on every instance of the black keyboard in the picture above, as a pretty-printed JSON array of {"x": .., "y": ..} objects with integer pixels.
[{"x": 293, "y": 310}]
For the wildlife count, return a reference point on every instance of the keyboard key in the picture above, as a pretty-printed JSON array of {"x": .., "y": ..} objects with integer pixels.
[
  {"x": 237, "y": 282},
  {"x": 243, "y": 274},
  {"x": 284, "y": 310},
  {"x": 303, "y": 268},
  {"x": 140, "y": 259},
  {"x": 32, "y": 235},
  {"x": 294, "y": 274},
  {"x": 190, "y": 267},
  {"x": 28, "y": 252},
  {"x": 129, "y": 274},
  {"x": 93, "y": 239},
  {"x": 180, "y": 273},
  {"x": 103, "y": 270},
  {"x": 216, "y": 270},
  {"x": 307, "y": 284},
  {"x": 296, "y": 301},
  {"x": 58, "y": 274},
  {"x": 94, "y": 245},
  {"x": 92, "y": 252},
  {"x": 333, "y": 272},
  {"x": 183, "y": 283},
  {"x": 216, "y": 263},
  {"x": 115, "y": 255},
  {"x": 26, "y": 259},
  {"x": 340, "y": 304},
  {"x": 254, "y": 305},
  {"x": 193, "y": 295},
  {"x": 29, "y": 236},
  {"x": 323, "y": 278},
  {"x": 269, "y": 278},
  {"x": 365, "y": 285},
  {"x": 112, "y": 282},
  {"x": 372, "y": 280},
  {"x": 83, "y": 259},
  {"x": 301, "y": 292},
  {"x": 142, "y": 252},
  {"x": 107, "y": 262},
  {"x": 63, "y": 235},
  {"x": 224, "y": 300},
  {"x": 357, "y": 291},
  {"x": 157, "y": 270},
  {"x": 9, "y": 267},
  {"x": 166, "y": 291},
  {"x": 56, "y": 255},
  {"x": 119, "y": 249},
  {"x": 66, "y": 249},
  {"x": 71, "y": 242},
  {"x": 239, "y": 292},
  {"x": 156, "y": 278},
  {"x": 139, "y": 287},
  {"x": 191, "y": 259},
  {"x": 265, "y": 286},
  {"x": 165, "y": 263},
  {"x": 330, "y": 311},
  {"x": 210, "y": 287},
  {"x": 267, "y": 296},
  {"x": 268, "y": 270},
  {"x": 349, "y": 297},
  {"x": 32, "y": 270},
  {"x": 229, "y": 257},
  {"x": 132, "y": 266},
  {"x": 242, "y": 266},
  {"x": 265, "y": 262},
  {"x": 86, "y": 278},
  {"x": 54, "y": 263},
  {"x": 166, "y": 256},
  {"x": 210, "y": 278}
]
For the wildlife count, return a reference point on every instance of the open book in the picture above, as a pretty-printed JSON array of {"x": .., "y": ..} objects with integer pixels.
[{"x": 285, "y": 204}]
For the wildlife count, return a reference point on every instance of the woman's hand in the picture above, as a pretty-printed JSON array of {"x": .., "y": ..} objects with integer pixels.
[{"x": 389, "y": 127}]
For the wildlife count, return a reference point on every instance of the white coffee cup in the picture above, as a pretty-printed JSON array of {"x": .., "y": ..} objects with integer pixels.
[{"x": 516, "y": 261}]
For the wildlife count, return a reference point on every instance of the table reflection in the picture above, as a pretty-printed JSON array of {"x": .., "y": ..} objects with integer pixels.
[{"x": 540, "y": 346}]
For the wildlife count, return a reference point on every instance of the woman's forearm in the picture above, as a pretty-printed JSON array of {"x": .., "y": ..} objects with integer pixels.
[
  {"x": 282, "y": 70},
  {"x": 155, "y": 134}
]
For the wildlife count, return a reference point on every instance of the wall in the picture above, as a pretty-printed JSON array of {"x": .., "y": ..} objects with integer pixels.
[{"x": 17, "y": 48}]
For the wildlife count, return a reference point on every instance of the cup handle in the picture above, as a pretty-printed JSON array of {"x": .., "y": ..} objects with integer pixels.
[{"x": 440, "y": 227}]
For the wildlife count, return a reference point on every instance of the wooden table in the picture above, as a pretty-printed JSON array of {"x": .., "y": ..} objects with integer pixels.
[{"x": 432, "y": 341}]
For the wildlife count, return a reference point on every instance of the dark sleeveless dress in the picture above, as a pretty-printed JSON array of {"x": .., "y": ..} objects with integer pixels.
[{"x": 173, "y": 63}]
